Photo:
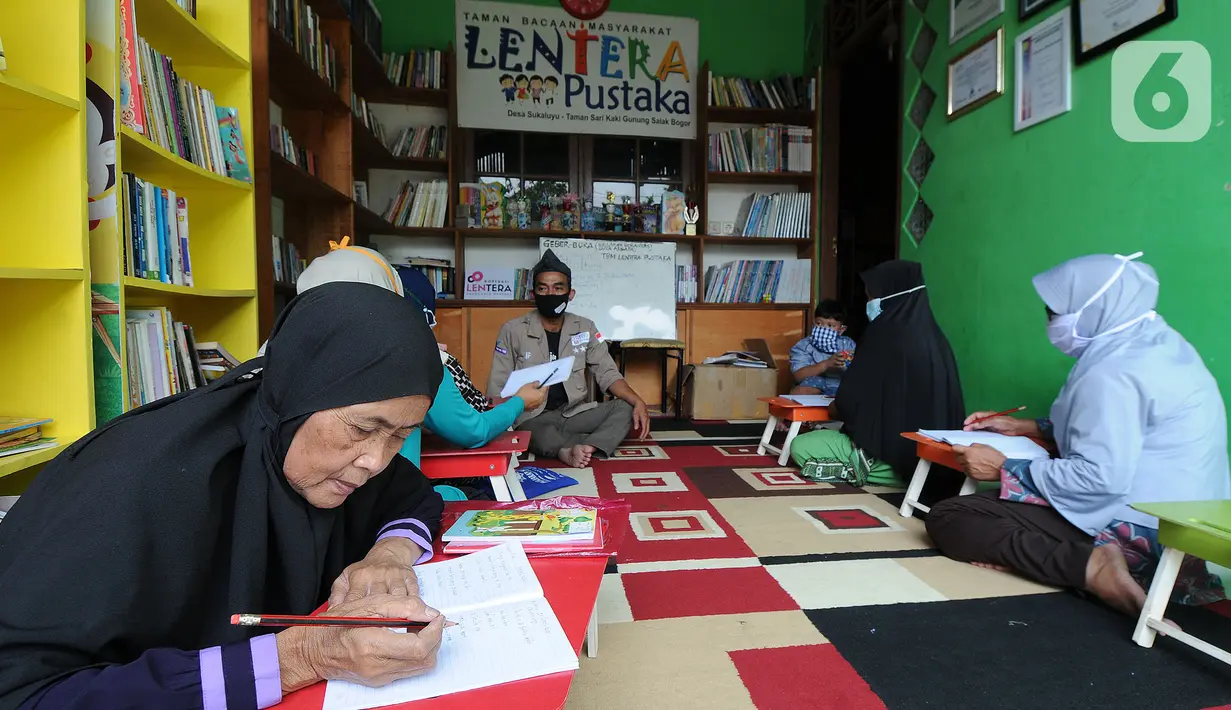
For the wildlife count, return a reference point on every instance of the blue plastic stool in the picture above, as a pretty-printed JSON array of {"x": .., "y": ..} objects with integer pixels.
[{"x": 450, "y": 493}]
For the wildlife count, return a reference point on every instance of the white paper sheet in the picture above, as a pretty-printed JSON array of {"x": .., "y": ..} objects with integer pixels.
[
  {"x": 1014, "y": 447},
  {"x": 810, "y": 400},
  {"x": 496, "y": 575},
  {"x": 547, "y": 374},
  {"x": 488, "y": 646}
]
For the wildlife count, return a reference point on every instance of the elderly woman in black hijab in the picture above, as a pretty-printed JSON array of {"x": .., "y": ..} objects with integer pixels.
[
  {"x": 904, "y": 378},
  {"x": 273, "y": 490}
]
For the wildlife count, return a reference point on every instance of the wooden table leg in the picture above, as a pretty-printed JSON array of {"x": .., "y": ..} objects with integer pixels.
[{"x": 1160, "y": 594}]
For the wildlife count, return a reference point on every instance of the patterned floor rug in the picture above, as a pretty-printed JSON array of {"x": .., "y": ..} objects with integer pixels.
[{"x": 743, "y": 585}]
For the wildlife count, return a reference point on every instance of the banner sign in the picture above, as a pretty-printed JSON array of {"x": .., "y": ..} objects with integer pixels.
[{"x": 526, "y": 68}]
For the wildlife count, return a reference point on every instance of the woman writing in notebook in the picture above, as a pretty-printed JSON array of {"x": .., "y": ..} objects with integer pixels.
[
  {"x": 1140, "y": 419},
  {"x": 275, "y": 489}
]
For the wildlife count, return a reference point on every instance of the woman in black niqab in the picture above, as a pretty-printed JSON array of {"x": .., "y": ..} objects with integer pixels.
[
  {"x": 144, "y": 537},
  {"x": 903, "y": 377}
]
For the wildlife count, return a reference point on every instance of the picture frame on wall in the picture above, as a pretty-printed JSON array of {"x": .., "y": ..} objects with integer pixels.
[
  {"x": 1100, "y": 26},
  {"x": 966, "y": 16},
  {"x": 976, "y": 76},
  {"x": 1029, "y": 8},
  {"x": 1043, "y": 65}
]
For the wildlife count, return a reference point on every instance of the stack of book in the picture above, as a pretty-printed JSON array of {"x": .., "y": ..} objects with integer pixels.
[
  {"x": 738, "y": 358},
  {"x": 299, "y": 24},
  {"x": 283, "y": 144},
  {"x": 439, "y": 271},
  {"x": 182, "y": 117},
  {"x": 785, "y": 215},
  {"x": 686, "y": 283},
  {"x": 419, "y": 68},
  {"x": 767, "y": 149},
  {"x": 365, "y": 114},
  {"x": 288, "y": 264},
  {"x": 760, "y": 281},
  {"x": 162, "y": 356},
  {"x": 215, "y": 360},
  {"x": 419, "y": 204},
  {"x": 785, "y": 92},
  {"x": 538, "y": 531},
  {"x": 155, "y": 230},
  {"x": 19, "y": 435},
  {"x": 421, "y": 142}
]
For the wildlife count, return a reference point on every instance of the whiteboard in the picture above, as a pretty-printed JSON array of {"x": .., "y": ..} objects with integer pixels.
[{"x": 626, "y": 288}]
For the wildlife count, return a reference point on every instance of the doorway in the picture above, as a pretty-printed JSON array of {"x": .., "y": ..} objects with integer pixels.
[{"x": 861, "y": 178}]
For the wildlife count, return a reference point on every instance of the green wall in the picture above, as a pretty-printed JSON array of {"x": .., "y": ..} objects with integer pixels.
[
  {"x": 738, "y": 37},
  {"x": 1010, "y": 205}
]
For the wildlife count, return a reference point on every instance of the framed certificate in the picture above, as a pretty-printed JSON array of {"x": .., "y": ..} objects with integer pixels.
[
  {"x": 1044, "y": 63},
  {"x": 976, "y": 76},
  {"x": 966, "y": 16},
  {"x": 1100, "y": 26},
  {"x": 1028, "y": 8}
]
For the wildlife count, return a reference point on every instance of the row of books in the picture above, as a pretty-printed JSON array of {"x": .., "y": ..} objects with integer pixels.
[
  {"x": 760, "y": 281},
  {"x": 785, "y": 215},
  {"x": 189, "y": 6},
  {"x": 300, "y": 25},
  {"x": 182, "y": 117},
  {"x": 784, "y": 92},
  {"x": 365, "y": 20},
  {"x": 765, "y": 149},
  {"x": 419, "y": 204},
  {"x": 164, "y": 357},
  {"x": 155, "y": 232},
  {"x": 288, "y": 264},
  {"x": 364, "y": 113},
  {"x": 439, "y": 271},
  {"x": 283, "y": 144},
  {"x": 686, "y": 283},
  {"x": 421, "y": 142},
  {"x": 21, "y": 435},
  {"x": 418, "y": 68}
]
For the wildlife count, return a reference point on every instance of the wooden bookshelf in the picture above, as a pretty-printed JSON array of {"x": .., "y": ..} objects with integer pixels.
[{"x": 44, "y": 257}]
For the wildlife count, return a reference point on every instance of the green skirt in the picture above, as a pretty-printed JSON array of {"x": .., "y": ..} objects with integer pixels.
[{"x": 829, "y": 455}]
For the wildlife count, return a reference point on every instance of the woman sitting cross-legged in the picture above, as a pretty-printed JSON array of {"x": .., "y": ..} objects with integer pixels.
[
  {"x": 904, "y": 379},
  {"x": 1140, "y": 419},
  {"x": 273, "y": 490}
]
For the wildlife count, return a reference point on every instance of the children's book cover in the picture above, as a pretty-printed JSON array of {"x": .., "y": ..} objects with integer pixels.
[
  {"x": 233, "y": 144},
  {"x": 553, "y": 525}
]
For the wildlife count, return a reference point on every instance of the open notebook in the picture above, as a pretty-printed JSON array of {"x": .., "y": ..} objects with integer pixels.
[
  {"x": 1014, "y": 447},
  {"x": 505, "y": 631}
]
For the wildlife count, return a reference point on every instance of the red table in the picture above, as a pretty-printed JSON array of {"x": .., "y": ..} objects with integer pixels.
[
  {"x": 440, "y": 459},
  {"x": 571, "y": 587},
  {"x": 787, "y": 410},
  {"x": 931, "y": 451}
]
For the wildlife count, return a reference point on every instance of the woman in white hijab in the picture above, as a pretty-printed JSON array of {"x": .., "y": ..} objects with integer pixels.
[{"x": 1140, "y": 419}]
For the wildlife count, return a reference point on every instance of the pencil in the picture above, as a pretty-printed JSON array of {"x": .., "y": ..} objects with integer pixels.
[
  {"x": 359, "y": 621},
  {"x": 553, "y": 374},
  {"x": 1005, "y": 413}
]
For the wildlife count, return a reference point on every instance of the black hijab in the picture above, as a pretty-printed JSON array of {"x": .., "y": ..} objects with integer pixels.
[
  {"x": 903, "y": 377},
  {"x": 151, "y": 531}
]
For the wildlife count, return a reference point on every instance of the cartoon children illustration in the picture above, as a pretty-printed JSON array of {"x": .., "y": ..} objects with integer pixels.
[
  {"x": 523, "y": 87},
  {"x": 506, "y": 85},
  {"x": 536, "y": 88},
  {"x": 549, "y": 89}
]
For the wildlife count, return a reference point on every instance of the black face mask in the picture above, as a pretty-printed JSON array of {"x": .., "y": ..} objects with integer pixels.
[{"x": 550, "y": 305}]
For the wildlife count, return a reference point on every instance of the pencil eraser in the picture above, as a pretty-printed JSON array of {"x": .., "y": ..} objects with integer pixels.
[{"x": 234, "y": 619}]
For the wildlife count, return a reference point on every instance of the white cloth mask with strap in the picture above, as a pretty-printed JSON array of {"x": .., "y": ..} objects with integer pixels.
[{"x": 1062, "y": 329}]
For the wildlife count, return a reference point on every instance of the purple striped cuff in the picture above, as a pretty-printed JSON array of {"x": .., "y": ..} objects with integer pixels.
[
  {"x": 412, "y": 530},
  {"x": 213, "y": 681},
  {"x": 265, "y": 670}
]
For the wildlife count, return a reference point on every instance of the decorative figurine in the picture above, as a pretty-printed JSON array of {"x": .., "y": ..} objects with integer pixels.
[
  {"x": 589, "y": 222},
  {"x": 691, "y": 215},
  {"x": 570, "y": 220},
  {"x": 609, "y": 217},
  {"x": 523, "y": 213}
]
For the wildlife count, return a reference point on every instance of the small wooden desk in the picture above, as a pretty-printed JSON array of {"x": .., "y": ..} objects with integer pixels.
[
  {"x": 571, "y": 587},
  {"x": 1201, "y": 529},
  {"x": 440, "y": 459},
  {"x": 791, "y": 411},
  {"x": 929, "y": 452}
]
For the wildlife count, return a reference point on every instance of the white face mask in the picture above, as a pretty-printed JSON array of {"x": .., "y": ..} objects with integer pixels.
[
  {"x": 1062, "y": 329},
  {"x": 874, "y": 306}
]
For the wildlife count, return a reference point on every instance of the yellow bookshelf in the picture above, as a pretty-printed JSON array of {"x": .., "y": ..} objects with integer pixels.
[
  {"x": 50, "y": 258},
  {"x": 45, "y": 364}
]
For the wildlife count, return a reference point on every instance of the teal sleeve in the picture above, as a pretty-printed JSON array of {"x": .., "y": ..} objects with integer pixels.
[
  {"x": 410, "y": 449},
  {"x": 452, "y": 418}
]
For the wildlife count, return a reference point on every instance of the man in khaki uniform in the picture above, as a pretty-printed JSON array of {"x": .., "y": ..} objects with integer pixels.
[{"x": 569, "y": 425}]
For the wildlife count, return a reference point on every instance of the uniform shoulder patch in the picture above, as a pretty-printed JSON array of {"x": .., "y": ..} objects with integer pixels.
[
  {"x": 501, "y": 350},
  {"x": 598, "y": 336}
]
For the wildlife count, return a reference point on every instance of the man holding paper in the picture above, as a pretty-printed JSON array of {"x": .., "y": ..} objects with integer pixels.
[{"x": 560, "y": 347}]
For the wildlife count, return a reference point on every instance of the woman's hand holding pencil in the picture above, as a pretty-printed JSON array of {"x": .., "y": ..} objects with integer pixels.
[
  {"x": 368, "y": 654},
  {"x": 1002, "y": 423}
]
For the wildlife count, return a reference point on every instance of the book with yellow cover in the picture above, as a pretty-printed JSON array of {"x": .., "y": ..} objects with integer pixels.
[
  {"x": 9, "y": 425},
  {"x": 530, "y": 527}
]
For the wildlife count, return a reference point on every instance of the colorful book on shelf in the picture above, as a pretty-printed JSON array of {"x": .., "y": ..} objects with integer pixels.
[
  {"x": 162, "y": 357},
  {"x": 529, "y": 527},
  {"x": 132, "y": 105},
  {"x": 419, "y": 69},
  {"x": 299, "y": 24},
  {"x": 179, "y": 116},
  {"x": 16, "y": 425},
  {"x": 154, "y": 227},
  {"x": 784, "y": 92},
  {"x": 233, "y": 144},
  {"x": 26, "y": 448}
]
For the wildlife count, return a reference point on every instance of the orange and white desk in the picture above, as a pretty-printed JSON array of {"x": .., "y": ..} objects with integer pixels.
[
  {"x": 931, "y": 451},
  {"x": 440, "y": 459},
  {"x": 787, "y": 410}
]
